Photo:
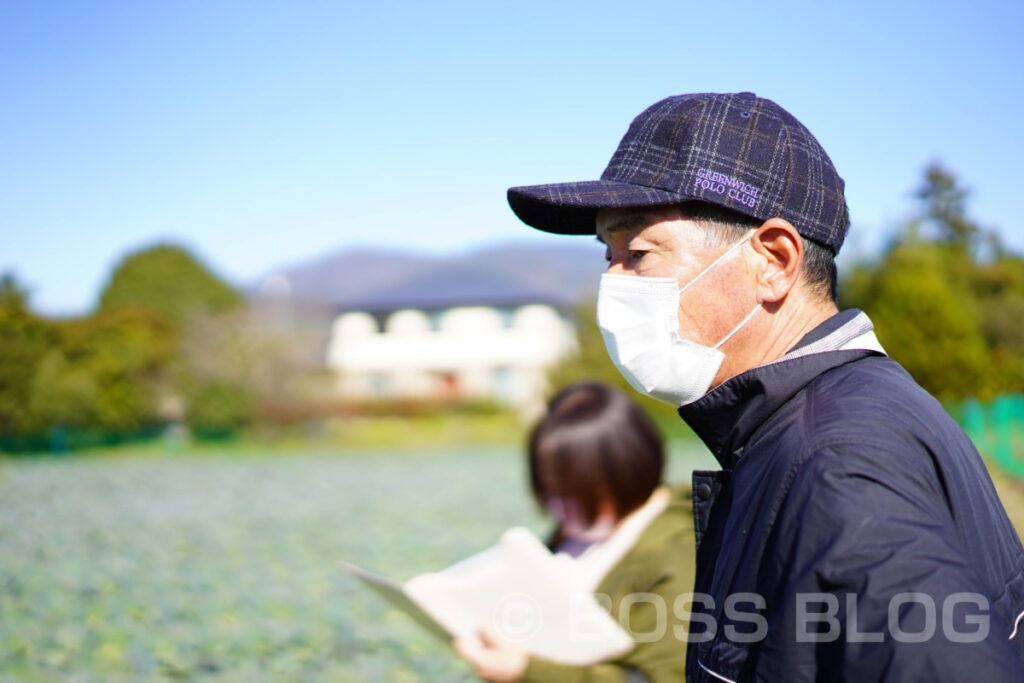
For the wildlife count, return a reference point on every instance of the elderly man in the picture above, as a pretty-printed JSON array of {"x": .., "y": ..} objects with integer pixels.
[{"x": 853, "y": 532}]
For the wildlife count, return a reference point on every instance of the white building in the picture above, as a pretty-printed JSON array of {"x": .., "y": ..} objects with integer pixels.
[{"x": 452, "y": 334}]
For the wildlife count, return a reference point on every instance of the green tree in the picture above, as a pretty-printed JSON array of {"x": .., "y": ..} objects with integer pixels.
[
  {"x": 112, "y": 374},
  {"x": 24, "y": 341},
  {"x": 168, "y": 280},
  {"x": 217, "y": 408},
  {"x": 203, "y": 314},
  {"x": 946, "y": 297},
  {"x": 944, "y": 204},
  {"x": 62, "y": 393},
  {"x": 119, "y": 362},
  {"x": 999, "y": 289},
  {"x": 927, "y": 322}
]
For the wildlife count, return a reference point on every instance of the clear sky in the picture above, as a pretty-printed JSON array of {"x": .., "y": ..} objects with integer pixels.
[{"x": 261, "y": 134}]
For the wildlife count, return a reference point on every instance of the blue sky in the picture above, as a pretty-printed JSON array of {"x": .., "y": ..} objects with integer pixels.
[{"x": 261, "y": 134}]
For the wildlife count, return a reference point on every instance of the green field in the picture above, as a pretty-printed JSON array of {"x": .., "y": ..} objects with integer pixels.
[{"x": 223, "y": 566}]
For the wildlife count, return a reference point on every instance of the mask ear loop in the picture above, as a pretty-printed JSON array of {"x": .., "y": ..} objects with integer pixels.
[
  {"x": 715, "y": 262},
  {"x": 737, "y": 328}
]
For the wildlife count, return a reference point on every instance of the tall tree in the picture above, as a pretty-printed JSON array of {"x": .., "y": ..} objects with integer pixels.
[
  {"x": 944, "y": 204},
  {"x": 946, "y": 297}
]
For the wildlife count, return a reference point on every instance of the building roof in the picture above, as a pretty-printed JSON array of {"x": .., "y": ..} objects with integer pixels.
[{"x": 458, "y": 284}]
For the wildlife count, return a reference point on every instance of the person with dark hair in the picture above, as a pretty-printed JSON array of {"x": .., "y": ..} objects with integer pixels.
[
  {"x": 595, "y": 465},
  {"x": 594, "y": 459},
  {"x": 853, "y": 532}
]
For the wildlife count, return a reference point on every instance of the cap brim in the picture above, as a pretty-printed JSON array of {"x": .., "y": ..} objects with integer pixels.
[{"x": 570, "y": 208}]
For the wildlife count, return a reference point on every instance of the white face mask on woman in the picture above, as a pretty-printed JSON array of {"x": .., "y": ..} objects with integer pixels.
[{"x": 639, "y": 320}]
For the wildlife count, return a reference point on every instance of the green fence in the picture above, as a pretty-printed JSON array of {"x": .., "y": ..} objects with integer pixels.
[
  {"x": 997, "y": 428},
  {"x": 62, "y": 440}
]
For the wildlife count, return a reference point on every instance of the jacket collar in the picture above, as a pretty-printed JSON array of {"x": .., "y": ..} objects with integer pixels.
[{"x": 729, "y": 414}]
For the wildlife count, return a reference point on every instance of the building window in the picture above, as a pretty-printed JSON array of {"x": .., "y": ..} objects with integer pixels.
[
  {"x": 435, "y": 319},
  {"x": 504, "y": 384},
  {"x": 508, "y": 317},
  {"x": 380, "y": 385},
  {"x": 379, "y": 319}
]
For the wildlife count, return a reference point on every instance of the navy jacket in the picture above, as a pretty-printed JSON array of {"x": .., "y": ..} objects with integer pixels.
[{"x": 854, "y": 532}]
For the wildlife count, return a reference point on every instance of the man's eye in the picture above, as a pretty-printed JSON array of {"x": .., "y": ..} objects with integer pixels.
[{"x": 636, "y": 255}]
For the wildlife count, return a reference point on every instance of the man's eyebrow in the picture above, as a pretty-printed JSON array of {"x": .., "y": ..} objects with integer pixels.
[{"x": 633, "y": 221}]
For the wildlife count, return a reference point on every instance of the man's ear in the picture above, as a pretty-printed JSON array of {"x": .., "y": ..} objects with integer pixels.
[{"x": 782, "y": 248}]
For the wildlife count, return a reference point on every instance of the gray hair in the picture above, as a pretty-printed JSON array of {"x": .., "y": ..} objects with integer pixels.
[{"x": 724, "y": 226}]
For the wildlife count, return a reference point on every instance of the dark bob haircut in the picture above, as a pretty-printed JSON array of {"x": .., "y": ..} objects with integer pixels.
[{"x": 596, "y": 447}]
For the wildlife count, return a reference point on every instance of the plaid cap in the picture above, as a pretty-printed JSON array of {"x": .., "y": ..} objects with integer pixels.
[{"x": 738, "y": 151}]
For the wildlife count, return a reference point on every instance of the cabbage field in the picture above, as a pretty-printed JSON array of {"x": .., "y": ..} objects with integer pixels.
[{"x": 224, "y": 567}]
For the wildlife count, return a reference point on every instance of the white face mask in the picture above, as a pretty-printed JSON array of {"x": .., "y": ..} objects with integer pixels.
[{"x": 639, "y": 320}]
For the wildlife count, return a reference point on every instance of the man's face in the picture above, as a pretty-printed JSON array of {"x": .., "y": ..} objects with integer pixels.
[{"x": 661, "y": 242}]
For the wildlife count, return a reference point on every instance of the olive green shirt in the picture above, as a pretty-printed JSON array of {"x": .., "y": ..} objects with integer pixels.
[{"x": 659, "y": 563}]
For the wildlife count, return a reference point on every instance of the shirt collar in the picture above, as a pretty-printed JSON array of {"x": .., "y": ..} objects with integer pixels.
[{"x": 728, "y": 415}]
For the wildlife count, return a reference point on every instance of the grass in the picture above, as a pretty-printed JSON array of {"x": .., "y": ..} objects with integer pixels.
[
  {"x": 437, "y": 430},
  {"x": 223, "y": 568}
]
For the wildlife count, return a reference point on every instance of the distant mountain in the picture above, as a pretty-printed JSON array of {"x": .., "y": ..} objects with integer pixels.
[
  {"x": 342, "y": 274},
  {"x": 571, "y": 270},
  {"x": 382, "y": 279}
]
